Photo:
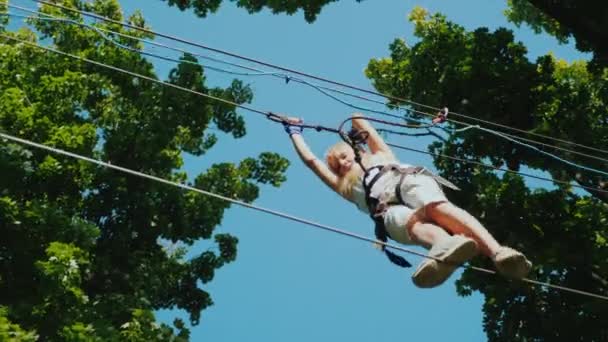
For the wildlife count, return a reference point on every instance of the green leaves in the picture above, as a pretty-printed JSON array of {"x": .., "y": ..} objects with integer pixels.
[
  {"x": 202, "y": 8},
  {"x": 269, "y": 168},
  {"x": 82, "y": 254},
  {"x": 565, "y": 19},
  {"x": 226, "y": 117},
  {"x": 62, "y": 274},
  {"x": 523, "y": 11},
  {"x": 13, "y": 332},
  {"x": 487, "y": 74}
]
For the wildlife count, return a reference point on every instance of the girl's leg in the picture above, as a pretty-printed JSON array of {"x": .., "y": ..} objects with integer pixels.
[
  {"x": 508, "y": 261},
  {"x": 458, "y": 221},
  {"x": 426, "y": 234},
  {"x": 446, "y": 252}
]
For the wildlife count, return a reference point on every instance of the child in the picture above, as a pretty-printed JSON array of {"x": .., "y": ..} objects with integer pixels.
[{"x": 408, "y": 205}]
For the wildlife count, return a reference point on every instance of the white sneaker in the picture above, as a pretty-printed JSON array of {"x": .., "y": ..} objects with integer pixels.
[
  {"x": 511, "y": 263},
  {"x": 451, "y": 252}
]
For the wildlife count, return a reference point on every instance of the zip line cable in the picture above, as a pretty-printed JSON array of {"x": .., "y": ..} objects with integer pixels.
[
  {"x": 550, "y": 154},
  {"x": 474, "y": 162},
  {"x": 278, "y": 213},
  {"x": 506, "y": 136},
  {"x": 130, "y": 73},
  {"x": 258, "y": 72},
  {"x": 267, "y": 114},
  {"x": 512, "y": 140},
  {"x": 288, "y": 78},
  {"x": 462, "y": 159},
  {"x": 101, "y": 31},
  {"x": 244, "y": 204},
  {"x": 234, "y": 55}
]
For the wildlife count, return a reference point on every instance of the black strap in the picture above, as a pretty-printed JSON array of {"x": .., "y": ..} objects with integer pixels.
[
  {"x": 398, "y": 189},
  {"x": 382, "y": 235},
  {"x": 404, "y": 173},
  {"x": 379, "y": 229},
  {"x": 397, "y": 259},
  {"x": 368, "y": 186}
]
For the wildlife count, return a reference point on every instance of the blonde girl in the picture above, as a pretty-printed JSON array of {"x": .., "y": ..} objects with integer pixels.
[{"x": 422, "y": 215}]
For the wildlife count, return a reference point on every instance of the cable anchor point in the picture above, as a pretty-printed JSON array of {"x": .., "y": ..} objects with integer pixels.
[{"x": 442, "y": 116}]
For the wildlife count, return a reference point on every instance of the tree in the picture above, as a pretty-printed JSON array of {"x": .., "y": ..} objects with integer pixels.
[
  {"x": 563, "y": 230},
  {"x": 203, "y": 7},
  {"x": 582, "y": 20},
  {"x": 87, "y": 253}
]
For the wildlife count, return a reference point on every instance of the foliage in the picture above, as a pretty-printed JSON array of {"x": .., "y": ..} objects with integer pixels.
[
  {"x": 583, "y": 20},
  {"x": 487, "y": 74},
  {"x": 523, "y": 11},
  {"x": 13, "y": 332},
  {"x": 202, "y": 8},
  {"x": 85, "y": 253}
]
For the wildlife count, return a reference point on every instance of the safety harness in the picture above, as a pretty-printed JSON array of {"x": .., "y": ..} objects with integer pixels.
[{"x": 377, "y": 206}]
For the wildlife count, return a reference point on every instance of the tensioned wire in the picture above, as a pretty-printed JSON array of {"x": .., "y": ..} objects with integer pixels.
[
  {"x": 323, "y": 90},
  {"x": 499, "y": 134},
  {"x": 251, "y": 109},
  {"x": 258, "y": 72},
  {"x": 394, "y": 98},
  {"x": 278, "y": 213},
  {"x": 220, "y": 51},
  {"x": 504, "y": 136},
  {"x": 241, "y": 203}
]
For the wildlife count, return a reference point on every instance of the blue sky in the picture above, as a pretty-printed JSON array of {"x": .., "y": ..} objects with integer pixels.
[{"x": 291, "y": 282}]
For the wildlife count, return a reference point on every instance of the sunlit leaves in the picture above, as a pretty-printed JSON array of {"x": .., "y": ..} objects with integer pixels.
[
  {"x": 13, "y": 332},
  {"x": 83, "y": 254},
  {"x": 488, "y": 75},
  {"x": 202, "y": 8},
  {"x": 522, "y": 11},
  {"x": 565, "y": 19}
]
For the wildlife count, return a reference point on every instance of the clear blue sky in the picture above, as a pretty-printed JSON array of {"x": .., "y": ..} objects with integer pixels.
[{"x": 291, "y": 282}]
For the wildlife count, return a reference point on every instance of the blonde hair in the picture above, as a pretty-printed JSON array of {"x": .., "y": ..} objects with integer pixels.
[{"x": 347, "y": 181}]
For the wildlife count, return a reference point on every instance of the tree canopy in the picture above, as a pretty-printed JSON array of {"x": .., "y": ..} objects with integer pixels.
[
  {"x": 202, "y": 8},
  {"x": 87, "y": 253},
  {"x": 582, "y": 20},
  {"x": 562, "y": 230}
]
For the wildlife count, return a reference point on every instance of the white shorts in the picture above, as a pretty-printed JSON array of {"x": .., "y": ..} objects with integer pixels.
[
  {"x": 419, "y": 190},
  {"x": 416, "y": 191}
]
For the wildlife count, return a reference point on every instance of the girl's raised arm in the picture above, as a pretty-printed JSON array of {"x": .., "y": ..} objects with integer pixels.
[
  {"x": 308, "y": 157},
  {"x": 374, "y": 141}
]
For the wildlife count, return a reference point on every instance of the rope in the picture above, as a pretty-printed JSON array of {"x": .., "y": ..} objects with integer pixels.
[
  {"x": 130, "y": 73},
  {"x": 269, "y": 115},
  {"x": 548, "y": 154},
  {"x": 319, "y": 88},
  {"x": 348, "y": 141},
  {"x": 473, "y": 162},
  {"x": 234, "y": 55},
  {"x": 275, "y": 212},
  {"x": 505, "y": 137},
  {"x": 287, "y": 78}
]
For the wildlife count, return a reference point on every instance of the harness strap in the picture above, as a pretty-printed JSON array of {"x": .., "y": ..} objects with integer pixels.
[
  {"x": 368, "y": 187},
  {"x": 398, "y": 188},
  {"x": 373, "y": 206},
  {"x": 382, "y": 235},
  {"x": 378, "y": 206},
  {"x": 380, "y": 229}
]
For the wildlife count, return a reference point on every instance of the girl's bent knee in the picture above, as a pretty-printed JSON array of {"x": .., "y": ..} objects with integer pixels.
[{"x": 435, "y": 208}]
